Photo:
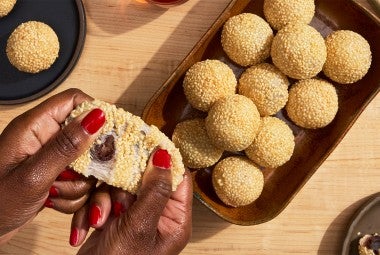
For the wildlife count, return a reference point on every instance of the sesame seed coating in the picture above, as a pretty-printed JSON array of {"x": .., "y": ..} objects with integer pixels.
[
  {"x": 232, "y": 123},
  {"x": 6, "y": 6},
  {"x": 280, "y": 13},
  {"x": 194, "y": 144},
  {"x": 312, "y": 103},
  {"x": 299, "y": 51},
  {"x": 206, "y": 82},
  {"x": 134, "y": 143},
  {"x": 348, "y": 57},
  {"x": 237, "y": 181},
  {"x": 273, "y": 145},
  {"x": 32, "y": 47},
  {"x": 266, "y": 86},
  {"x": 246, "y": 39}
]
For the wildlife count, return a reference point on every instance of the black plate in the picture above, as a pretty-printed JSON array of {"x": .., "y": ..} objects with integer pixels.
[
  {"x": 365, "y": 221},
  {"x": 67, "y": 18}
]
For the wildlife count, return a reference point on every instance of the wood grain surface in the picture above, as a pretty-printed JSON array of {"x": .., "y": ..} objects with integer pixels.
[{"x": 131, "y": 48}]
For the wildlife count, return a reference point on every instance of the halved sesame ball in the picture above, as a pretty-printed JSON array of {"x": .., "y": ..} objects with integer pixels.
[
  {"x": 246, "y": 39},
  {"x": 348, "y": 57},
  {"x": 196, "y": 148},
  {"x": 237, "y": 181},
  {"x": 266, "y": 86},
  {"x": 312, "y": 103},
  {"x": 207, "y": 81},
  {"x": 299, "y": 51},
  {"x": 273, "y": 145},
  {"x": 32, "y": 47},
  {"x": 6, "y": 6},
  {"x": 232, "y": 123},
  {"x": 280, "y": 13}
]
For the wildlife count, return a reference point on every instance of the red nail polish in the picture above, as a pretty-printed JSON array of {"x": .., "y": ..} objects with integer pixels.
[
  {"x": 74, "y": 236},
  {"x": 118, "y": 209},
  {"x": 53, "y": 192},
  {"x": 93, "y": 121},
  {"x": 48, "y": 203},
  {"x": 68, "y": 175},
  {"x": 95, "y": 215},
  {"x": 162, "y": 159}
]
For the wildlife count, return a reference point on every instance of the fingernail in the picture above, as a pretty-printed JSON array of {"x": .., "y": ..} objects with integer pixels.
[
  {"x": 74, "y": 236},
  {"x": 48, "y": 203},
  {"x": 162, "y": 159},
  {"x": 68, "y": 175},
  {"x": 93, "y": 121},
  {"x": 95, "y": 215},
  {"x": 53, "y": 192},
  {"x": 118, "y": 209}
]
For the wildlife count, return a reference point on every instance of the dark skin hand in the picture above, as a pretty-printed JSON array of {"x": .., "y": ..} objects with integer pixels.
[{"x": 34, "y": 154}]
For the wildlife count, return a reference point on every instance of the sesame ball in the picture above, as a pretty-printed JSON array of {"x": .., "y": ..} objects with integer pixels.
[
  {"x": 32, "y": 47},
  {"x": 312, "y": 103},
  {"x": 299, "y": 51},
  {"x": 273, "y": 145},
  {"x": 6, "y": 6},
  {"x": 266, "y": 86},
  {"x": 194, "y": 144},
  {"x": 207, "y": 81},
  {"x": 280, "y": 13},
  {"x": 348, "y": 57},
  {"x": 232, "y": 123},
  {"x": 237, "y": 181},
  {"x": 246, "y": 39}
]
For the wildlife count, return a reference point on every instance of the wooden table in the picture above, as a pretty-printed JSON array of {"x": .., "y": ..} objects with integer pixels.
[{"x": 130, "y": 50}]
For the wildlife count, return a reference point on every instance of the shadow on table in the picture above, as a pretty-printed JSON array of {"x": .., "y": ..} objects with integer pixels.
[{"x": 23, "y": 242}]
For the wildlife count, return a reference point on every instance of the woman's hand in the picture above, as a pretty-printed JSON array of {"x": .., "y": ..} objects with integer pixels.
[
  {"x": 156, "y": 221},
  {"x": 34, "y": 151}
]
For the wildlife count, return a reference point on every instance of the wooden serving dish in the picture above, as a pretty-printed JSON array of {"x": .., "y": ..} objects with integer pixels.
[{"x": 169, "y": 106}]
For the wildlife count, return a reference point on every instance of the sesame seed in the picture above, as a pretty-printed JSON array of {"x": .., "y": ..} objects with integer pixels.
[{"x": 6, "y": 6}]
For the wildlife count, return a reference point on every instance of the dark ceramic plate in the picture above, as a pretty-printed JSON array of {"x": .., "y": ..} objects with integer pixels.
[
  {"x": 365, "y": 221},
  {"x": 169, "y": 106},
  {"x": 67, "y": 18}
]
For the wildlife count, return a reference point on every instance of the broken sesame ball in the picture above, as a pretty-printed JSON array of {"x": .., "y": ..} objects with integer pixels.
[
  {"x": 232, "y": 123},
  {"x": 273, "y": 145},
  {"x": 280, "y": 13},
  {"x": 6, "y": 6},
  {"x": 197, "y": 150},
  {"x": 32, "y": 47},
  {"x": 299, "y": 51},
  {"x": 237, "y": 181},
  {"x": 266, "y": 86},
  {"x": 312, "y": 103},
  {"x": 246, "y": 39},
  {"x": 206, "y": 82},
  {"x": 348, "y": 57}
]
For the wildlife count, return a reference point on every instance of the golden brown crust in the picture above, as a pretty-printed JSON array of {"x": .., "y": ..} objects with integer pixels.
[{"x": 6, "y": 6}]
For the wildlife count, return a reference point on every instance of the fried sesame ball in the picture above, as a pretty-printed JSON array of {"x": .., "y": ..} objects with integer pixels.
[
  {"x": 237, "y": 181},
  {"x": 299, "y": 51},
  {"x": 246, "y": 39},
  {"x": 348, "y": 57},
  {"x": 232, "y": 123},
  {"x": 266, "y": 86},
  {"x": 197, "y": 150},
  {"x": 312, "y": 103},
  {"x": 273, "y": 145},
  {"x": 280, "y": 13},
  {"x": 207, "y": 81},
  {"x": 6, "y": 6},
  {"x": 32, "y": 47}
]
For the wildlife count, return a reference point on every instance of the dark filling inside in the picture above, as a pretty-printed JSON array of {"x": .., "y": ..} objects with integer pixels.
[
  {"x": 104, "y": 151},
  {"x": 373, "y": 243}
]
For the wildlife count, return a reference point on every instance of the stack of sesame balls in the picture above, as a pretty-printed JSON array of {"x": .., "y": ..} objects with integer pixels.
[{"x": 240, "y": 112}]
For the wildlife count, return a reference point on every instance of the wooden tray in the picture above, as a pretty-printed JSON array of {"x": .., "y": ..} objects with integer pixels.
[{"x": 169, "y": 106}]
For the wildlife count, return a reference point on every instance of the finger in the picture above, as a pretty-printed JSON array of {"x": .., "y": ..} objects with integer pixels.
[
  {"x": 69, "y": 175},
  {"x": 154, "y": 193},
  {"x": 79, "y": 226},
  {"x": 72, "y": 189},
  {"x": 121, "y": 201},
  {"x": 100, "y": 206},
  {"x": 64, "y": 205}
]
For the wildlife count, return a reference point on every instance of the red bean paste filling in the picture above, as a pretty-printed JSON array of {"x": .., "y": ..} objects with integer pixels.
[
  {"x": 373, "y": 243},
  {"x": 104, "y": 151}
]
